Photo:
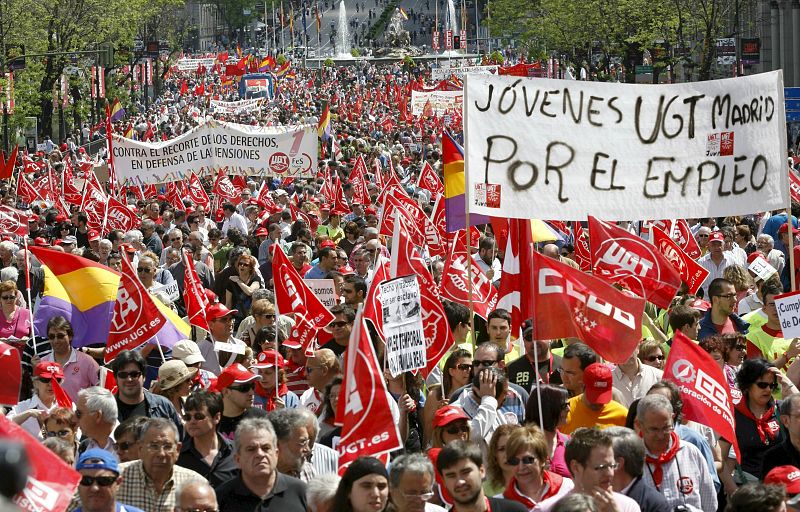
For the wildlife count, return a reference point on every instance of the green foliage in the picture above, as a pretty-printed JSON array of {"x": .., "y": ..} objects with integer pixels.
[
  {"x": 497, "y": 57},
  {"x": 383, "y": 20},
  {"x": 328, "y": 63},
  {"x": 355, "y": 52},
  {"x": 281, "y": 59}
]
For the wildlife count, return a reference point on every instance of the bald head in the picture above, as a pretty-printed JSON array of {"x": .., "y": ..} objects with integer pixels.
[
  {"x": 551, "y": 251},
  {"x": 195, "y": 495}
]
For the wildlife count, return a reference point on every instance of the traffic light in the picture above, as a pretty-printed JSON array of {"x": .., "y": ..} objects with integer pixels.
[{"x": 456, "y": 41}]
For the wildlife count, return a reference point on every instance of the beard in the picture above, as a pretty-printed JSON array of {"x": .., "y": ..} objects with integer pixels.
[{"x": 471, "y": 500}]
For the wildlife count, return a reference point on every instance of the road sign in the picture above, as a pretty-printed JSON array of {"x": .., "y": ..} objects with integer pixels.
[{"x": 644, "y": 70}]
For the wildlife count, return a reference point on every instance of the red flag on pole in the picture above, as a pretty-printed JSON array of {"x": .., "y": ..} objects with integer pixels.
[
  {"x": 62, "y": 398},
  {"x": 7, "y": 166},
  {"x": 25, "y": 191},
  {"x": 571, "y": 304},
  {"x": 194, "y": 296},
  {"x": 11, "y": 370},
  {"x": 456, "y": 279},
  {"x": 583, "y": 254},
  {"x": 373, "y": 311},
  {"x": 197, "y": 193},
  {"x": 13, "y": 221},
  {"x": 368, "y": 427},
  {"x": 429, "y": 180},
  {"x": 119, "y": 216},
  {"x": 224, "y": 188},
  {"x": 704, "y": 388},
  {"x": 515, "y": 285},
  {"x": 622, "y": 257},
  {"x": 691, "y": 272}
]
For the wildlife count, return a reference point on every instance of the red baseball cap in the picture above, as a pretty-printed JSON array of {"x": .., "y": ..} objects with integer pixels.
[
  {"x": 233, "y": 375},
  {"x": 700, "y": 305},
  {"x": 787, "y": 476},
  {"x": 48, "y": 370},
  {"x": 41, "y": 242},
  {"x": 262, "y": 232},
  {"x": 716, "y": 236},
  {"x": 449, "y": 414},
  {"x": 93, "y": 235},
  {"x": 218, "y": 310},
  {"x": 599, "y": 383},
  {"x": 268, "y": 359},
  {"x": 785, "y": 227},
  {"x": 328, "y": 243}
]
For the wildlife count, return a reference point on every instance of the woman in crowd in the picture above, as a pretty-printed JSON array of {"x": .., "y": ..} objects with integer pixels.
[
  {"x": 30, "y": 414},
  {"x": 531, "y": 482},
  {"x": 328, "y": 431},
  {"x": 450, "y": 423},
  {"x": 271, "y": 368},
  {"x": 498, "y": 472},
  {"x": 364, "y": 487},
  {"x": 15, "y": 322},
  {"x": 728, "y": 350},
  {"x": 651, "y": 353},
  {"x": 456, "y": 373},
  {"x": 240, "y": 289},
  {"x": 175, "y": 382},
  {"x": 554, "y": 409},
  {"x": 262, "y": 314},
  {"x": 63, "y": 424},
  {"x": 757, "y": 423},
  {"x": 80, "y": 370},
  {"x": 351, "y": 234}
]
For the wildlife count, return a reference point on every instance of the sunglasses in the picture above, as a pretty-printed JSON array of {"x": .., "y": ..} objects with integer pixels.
[
  {"x": 57, "y": 336},
  {"x": 484, "y": 362},
  {"x": 198, "y": 416},
  {"x": 142, "y": 269},
  {"x": 741, "y": 347},
  {"x": 129, "y": 375},
  {"x": 464, "y": 367},
  {"x": 764, "y": 385},
  {"x": 526, "y": 461},
  {"x": 654, "y": 358},
  {"x": 244, "y": 388},
  {"x": 457, "y": 430},
  {"x": 58, "y": 433},
  {"x": 102, "y": 481},
  {"x": 47, "y": 381},
  {"x": 8, "y": 297},
  {"x": 338, "y": 324}
]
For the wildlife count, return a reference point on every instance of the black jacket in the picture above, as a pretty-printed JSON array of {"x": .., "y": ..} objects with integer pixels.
[{"x": 649, "y": 499}]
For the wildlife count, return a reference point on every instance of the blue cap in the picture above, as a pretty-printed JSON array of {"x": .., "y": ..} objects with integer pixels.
[{"x": 97, "y": 458}]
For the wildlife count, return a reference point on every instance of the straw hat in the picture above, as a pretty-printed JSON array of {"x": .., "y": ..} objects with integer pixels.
[{"x": 173, "y": 373}]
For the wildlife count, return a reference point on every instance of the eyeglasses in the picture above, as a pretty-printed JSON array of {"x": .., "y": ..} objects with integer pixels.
[
  {"x": 176, "y": 239},
  {"x": 198, "y": 416},
  {"x": 602, "y": 467},
  {"x": 340, "y": 323},
  {"x": 157, "y": 447},
  {"x": 310, "y": 369},
  {"x": 764, "y": 385},
  {"x": 268, "y": 316},
  {"x": 142, "y": 269},
  {"x": 47, "y": 381},
  {"x": 57, "y": 335},
  {"x": 243, "y": 265},
  {"x": 457, "y": 430},
  {"x": 726, "y": 295},
  {"x": 654, "y": 358},
  {"x": 425, "y": 496},
  {"x": 526, "y": 461},
  {"x": 8, "y": 297},
  {"x": 102, "y": 481},
  {"x": 244, "y": 388},
  {"x": 129, "y": 375},
  {"x": 464, "y": 367},
  {"x": 484, "y": 362},
  {"x": 58, "y": 433},
  {"x": 699, "y": 235}
]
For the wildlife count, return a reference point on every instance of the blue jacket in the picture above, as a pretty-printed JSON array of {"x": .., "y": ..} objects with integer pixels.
[
  {"x": 707, "y": 327},
  {"x": 160, "y": 407}
]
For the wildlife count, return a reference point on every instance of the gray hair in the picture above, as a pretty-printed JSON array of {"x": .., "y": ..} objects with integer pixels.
[
  {"x": 321, "y": 489},
  {"x": 182, "y": 487},
  {"x": 654, "y": 402},
  {"x": 133, "y": 235},
  {"x": 176, "y": 231},
  {"x": 286, "y": 421},
  {"x": 414, "y": 463},
  {"x": 160, "y": 424},
  {"x": 311, "y": 420},
  {"x": 629, "y": 447},
  {"x": 9, "y": 274},
  {"x": 105, "y": 242},
  {"x": 763, "y": 237},
  {"x": 148, "y": 224},
  {"x": 252, "y": 425},
  {"x": 576, "y": 502},
  {"x": 100, "y": 400},
  {"x": 9, "y": 246}
]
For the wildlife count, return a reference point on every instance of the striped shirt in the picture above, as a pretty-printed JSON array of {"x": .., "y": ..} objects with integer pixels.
[
  {"x": 296, "y": 379},
  {"x": 325, "y": 460},
  {"x": 137, "y": 488}
]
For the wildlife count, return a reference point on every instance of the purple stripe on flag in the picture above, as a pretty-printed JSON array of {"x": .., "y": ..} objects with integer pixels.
[
  {"x": 90, "y": 326},
  {"x": 456, "y": 217}
]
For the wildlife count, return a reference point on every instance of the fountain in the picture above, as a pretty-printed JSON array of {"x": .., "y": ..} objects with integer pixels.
[
  {"x": 451, "y": 14},
  {"x": 343, "y": 34}
]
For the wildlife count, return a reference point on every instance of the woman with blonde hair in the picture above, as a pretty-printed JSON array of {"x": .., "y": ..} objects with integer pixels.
[
  {"x": 241, "y": 286},
  {"x": 15, "y": 322},
  {"x": 651, "y": 353},
  {"x": 498, "y": 472}
]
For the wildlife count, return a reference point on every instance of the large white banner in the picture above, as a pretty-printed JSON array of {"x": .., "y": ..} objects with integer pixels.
[
  {"x": 402, "y": 325},
  {"x": 442, "y": 73},
  {"x": 249, "y": 150},
  {"x": 441, "y": 101},
  {"x": 235, "y": 107},
  {"x": 187, "y": 64},
  {"x": 557, "y": 149}
]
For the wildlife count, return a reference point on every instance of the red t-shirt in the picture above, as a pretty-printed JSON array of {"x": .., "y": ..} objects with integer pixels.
[{"x": 726, "y": 328}]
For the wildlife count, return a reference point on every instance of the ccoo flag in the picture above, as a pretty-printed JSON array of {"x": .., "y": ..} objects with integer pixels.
[
  {"x": 455, "y": 200},
  {"x": 82, "y": 291}
]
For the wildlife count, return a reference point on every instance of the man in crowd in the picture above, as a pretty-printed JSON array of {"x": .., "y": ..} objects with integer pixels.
[
  {"x": 294, "y": 443},
  {"x": 498, "y": 327},
  {"x": 259, "y": 484},
  {"x": 237, "y": 385},
  {"x": 328, "y": 261},
  {"x": 96, "y": 411},
  {"x": 354, "y": 290},
  {"x": 205, "y": 451},
  {"x": 721, "y": 319},
  {"x": 486, "y": 259},
  {"x": 340, "y": 327},
  {"x": 628, "y": 477},
  {"x": 676, "y": 469},
  {"x": 787, "y": 452},
  {"x": 595, "y": 407},
  {"x": 411, "y": 480},
  {"x": 633, "y": 379},
  {"x": 716, "y": 260},
  {"x": 685, "y": 319},
  {"x": 150, "y": 482},
  {"x": 194, "y": 497},
  {"x": 577, "y": 356},
  {"x": 100, "y": 482},
  {"x": 523, "y": 371},
  {"x": 220, "y": 347},
  {"x": 232, "y": 220},
  {"x": 321, "y": 369}
]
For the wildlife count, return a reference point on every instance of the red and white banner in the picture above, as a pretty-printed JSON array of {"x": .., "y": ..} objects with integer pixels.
[
  {"x": 373, "y": 311},
  {"x": 136, "y": 317},
  {"x": 197, "y": 194},
  {"x": 11, "y": 370},
  {"x": 456, "y": 285},
  {"x": 98, "y": 82},
  {"x": 571, "y": 304},
  {"x": 358, "y": 180},
  {"x": 622, "y": 257},
  {"x": 194, "y": 296},
  {"x": 680, "y": 231},
  {"x": 583, "y": 254},
  {"x": 51, "y": 483},
  {"x": 704, "y": 389},
  {"x": 119, "y": 216},
  {"x": 13, "y": 221},
  {"x": 429, "y": 180},
  {"x": 224, "y": 188},
  {"x": 368, "y": 427},
  {"x": 692, "y": 273},
  {"x": 25, "y": 191},
  {"x": 794, "y": 186}
]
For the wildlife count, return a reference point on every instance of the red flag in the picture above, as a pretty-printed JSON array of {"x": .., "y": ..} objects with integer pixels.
[
  {"x": 704, "y": 389},
  {"x": 62, "y": 399},
  {"x": 107, "y": 380},
  {"x": 72, "y": 195},
  {"x": 429, "y": 180},
  {"x": 622, "y": 257},
  {"x": 51, "y": 483},
  {"x": 119, "y": 216},
  {"x": 406, "y": 260},
  {"x": 571, "y": 304},
  {"x": 184, "y": 88},
  {"x": 691, "y": 272},
  {"x": 583, "y": 254},
  {"x": 136, "y": 317},
  {"x": 368, "y": 427},
  {"x": 94, "y": 202},
  {"x": 11, "y": 370},
  {"x": 311, "y": 220},
  {"x": 456, "y": 279},
  {"x": 197, "y": 194},
  {"x": 340, "y": 205},
  {"x": 515, "y": 285},
  {"x": 266, "y": 201},
  {"x": 25, "y": 191},
  {"x": 7, "y": 166},
  {"x": 150, "y": 191},
  {"x": 373, "y": 311},
  {"x": 794, "y": 186},
  {"x": 394, "y": 207},
  {"x": 174, "y": 196},
  {"x": 685, "y": 238},
  {"x": 292, "y": 294},
  {"x": 224, "y": 189},
  {"x": 193, "y": 294},
  {"x": 358, "y": 180},
  {"x": 13, "y": 221}
]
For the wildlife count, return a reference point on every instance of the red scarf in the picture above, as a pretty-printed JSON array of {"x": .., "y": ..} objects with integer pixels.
[
  {"x": 269, "y": 404},
  {"x": 664, "y": 458},
  {"x": 551, "y": 482},
  {"x": 766, "y": 434}
]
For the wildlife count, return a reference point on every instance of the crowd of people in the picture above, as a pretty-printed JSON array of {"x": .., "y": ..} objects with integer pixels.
[{"x": 243, "y": 417}]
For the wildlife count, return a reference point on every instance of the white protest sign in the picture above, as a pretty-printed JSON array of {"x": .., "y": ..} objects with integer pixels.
[
  {"x": 443, "y": 73},
  {"x": 761, "y": 268},
  {"x": 191, "y": 64},
  {"x": 788, "y": 306},
  {"x": 249, "y": 150},
  {"x": 170, "y": 290},
  {"x": 325, "y": 291},
  {"x": 540, "y": 148},
  {"x": 235, "y": 107},
  {"x": 402, "y": 325},
  {"x": 440, "y": 101}
]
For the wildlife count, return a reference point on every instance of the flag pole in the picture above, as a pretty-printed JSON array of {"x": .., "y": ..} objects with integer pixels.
[
  {"x": 28, "y": 287},
  {"x": 277, "y": 323}
]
